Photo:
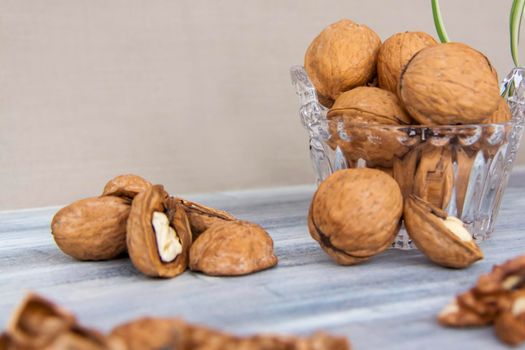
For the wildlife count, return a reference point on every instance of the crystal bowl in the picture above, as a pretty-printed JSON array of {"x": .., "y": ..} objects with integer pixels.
[{"x": 463, "y": 169}]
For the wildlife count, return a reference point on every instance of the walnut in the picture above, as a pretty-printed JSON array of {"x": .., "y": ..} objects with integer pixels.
[
  {"x": 481, "y": 305},
  {"x": 341, "y": 57},
  {"x": 232, "y": 248},
  {"x": 379, "y": 144},
  {"x": 355, "y": 214},
  {"x": 443, "y": 239},
  {"x": 395, "y": 53},
  {"x": 158, "y": 234},
  {"x": 449, "y": 84},
  {"x": 92, "y": 228}
]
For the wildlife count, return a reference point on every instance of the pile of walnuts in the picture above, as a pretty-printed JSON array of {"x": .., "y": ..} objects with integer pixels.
[
  {"x": 162, "y": 235},
  {"x": 40, "y": 324},
  {"x": 374, "y": 91}
]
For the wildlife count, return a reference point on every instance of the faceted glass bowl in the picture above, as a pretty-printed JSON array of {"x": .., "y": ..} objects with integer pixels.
[{"x": 465, "y": 167}]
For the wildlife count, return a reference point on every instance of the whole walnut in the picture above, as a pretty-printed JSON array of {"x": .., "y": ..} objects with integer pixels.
[
  {"x": 502, "y": 113},
  {"x": 341, "y": 57},
  {"x": 378, "y": 146},
  {"x": 355, "y": 214},
  {"x": 448, "y": 84},
  {"x": 395, "y": 53}
]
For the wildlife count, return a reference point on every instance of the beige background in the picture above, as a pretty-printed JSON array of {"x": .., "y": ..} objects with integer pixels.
[{"x": 192, "y": 94}]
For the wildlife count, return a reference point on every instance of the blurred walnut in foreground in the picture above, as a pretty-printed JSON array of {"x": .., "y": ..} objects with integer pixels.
[{"x": 39, "y": 324}]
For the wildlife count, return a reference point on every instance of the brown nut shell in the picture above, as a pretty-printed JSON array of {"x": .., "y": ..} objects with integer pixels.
[
  {"x": 378, "y": 144},
  {"x": 434, "y": 178},
  {"x": 127, "y": 186},
  {"x": 149, "y": 333},
  {"x": 92, "y": 228},
  {"x": 37, "y": 322},
  {"x": 141, "y": 239},
  {"x": 449, "y": 83},
  {"x": 202, "y": 217},
  {"x": 355, "y": 214},
  {"x": 395, "y": 53},
  {"x": 510, "y": 324},
  {"x": 232, "y": 248},
  {"x": 341, "y": 57},
  {"x": 426, "y": 228}
]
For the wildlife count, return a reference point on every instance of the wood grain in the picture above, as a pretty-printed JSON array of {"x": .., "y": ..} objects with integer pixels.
[{"x": 389, "y": 302}]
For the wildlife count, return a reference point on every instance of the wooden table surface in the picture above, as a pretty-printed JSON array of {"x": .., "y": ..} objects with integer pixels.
[{"x": 388, "y": 303}]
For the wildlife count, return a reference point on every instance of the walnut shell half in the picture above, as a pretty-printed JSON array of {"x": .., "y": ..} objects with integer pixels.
[
  {"x": 444, "y": 240},
  {"x": 340, "y": 58},
  {"x": 37, "y": 322},
  {"x": 449, "y": 84},
  {"x": 355, "y": 214},
  {"x": 92, "y": 228},
  {"x": 144, "y": 248},
  {"x": 202, "y": 217},
  {"x": 232, "y": 248},
  {"x": 395, "y": 53}
]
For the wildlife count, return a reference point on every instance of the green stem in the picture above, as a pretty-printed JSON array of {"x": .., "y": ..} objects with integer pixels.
[
  {"x": 438, "y": 22},
  {"x": 516, "y": 14}
]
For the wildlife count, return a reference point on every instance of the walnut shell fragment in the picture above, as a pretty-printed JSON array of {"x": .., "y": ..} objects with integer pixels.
[
  {"x": 443, "y": 239},
  {"x": 202, "y": 217},
  {"x": 232, "y": 248},
  {"x": 434, "y": 178},
  {"x": 482, "y": 304},
  {"x": 78, "y": 338},
  {"x": 395, "y": 53},
  {"x": 510, "y": 324},
  {"x": 448, "y": 84},
  {"x": 155, "y": 216},
  {"x": 340, "y": 58},
  {"x": 127, "y": 186},
  {"x": 92, "y": 228},
  {"x": 37, "y": 322},
  {"x": 355, "y": 214}
]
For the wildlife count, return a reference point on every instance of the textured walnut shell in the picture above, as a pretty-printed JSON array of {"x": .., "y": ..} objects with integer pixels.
[
  {"x": 341, "y": 57},
  {"x": 202, "y": 217},
  {"x": 92, "y": 228},
  {"x": 141, "y": 240},
  {"x": 127, "y": 186},
  {"x": 434, "y": 178},
  {"x": 510, "y": 327},
  {"x": 149, "y": 333},
  {"x": 37, "y": 322},
  {"x": 355, "y": 214},
  {"x": 425, "y": 227},
  {"x": 369, "y": 105},
  {"x": 395, "y": 53},
  {"x": 378, "y": 144},
  {"x": 232, "y": 248},
  {"x": 449, "y": 84}
]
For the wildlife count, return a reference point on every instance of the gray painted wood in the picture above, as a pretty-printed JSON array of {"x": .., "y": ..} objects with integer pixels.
[{"x": 389, "y": 302}]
